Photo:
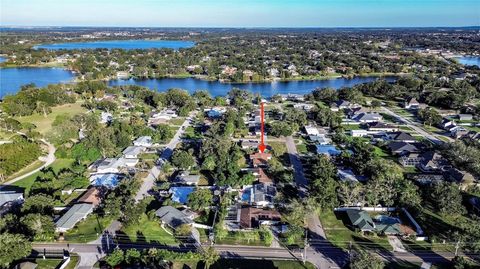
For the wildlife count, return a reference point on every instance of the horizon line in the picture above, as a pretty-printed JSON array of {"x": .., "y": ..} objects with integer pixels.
[{"x": 235, "y": 27}]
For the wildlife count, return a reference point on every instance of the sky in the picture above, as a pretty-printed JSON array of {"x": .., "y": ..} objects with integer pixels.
[{"x": 240, "y": 13}]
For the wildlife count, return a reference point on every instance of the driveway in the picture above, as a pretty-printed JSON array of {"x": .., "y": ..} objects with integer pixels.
[{"x": 298, "y": 173}]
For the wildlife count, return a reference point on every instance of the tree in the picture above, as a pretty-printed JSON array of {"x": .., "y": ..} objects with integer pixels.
[
  {"x": 40, "y": 227},
  {"x": 200, "y": 199},
  {"x": 182, "y": 159},
  {"x": 183, "y": 230},
  {"x": 115, "y": 258},
  {"x": 132, "y": 256},
  {"x": 324, "y": 182},
  {"x": 280, "y": 128},
  {"x": 429, "y": 116},
  {"x": 39, "y": 203},
  {"x": 447, "y": 198},
  {"x": 362, "y": 259},
  {"x": 210, "y": 256},
  {"x": 12, "y": 248}
]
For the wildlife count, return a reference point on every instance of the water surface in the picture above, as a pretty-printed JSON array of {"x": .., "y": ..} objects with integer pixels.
[
  {"x": 120, "y": 44},
  {"x": 469, "y": 60},
  {"x": 11, "y": 79},
  {"x": 266, "y": 89}
]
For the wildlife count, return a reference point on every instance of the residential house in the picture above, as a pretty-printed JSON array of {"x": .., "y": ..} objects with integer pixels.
[
  {"x": 112, "y": 165},
  {"x": 465, "y": 117},
  {"x": 360, "y": 220},
  {"x": 410, "y": 159},
  {"x": 251, "y": 217},
  {"x": 402, "y": 137},
  {"x": 260, "y": 159},
  {"x": 402, "y": 148},
  {"x": 143, "y": 141},
  {"x": 184, "y": 177},
  {"x": 342, "y": 104},
  {"x": 9, "y": 199},
  {"x": 431, "y": 161},
  {"x": 368, "y": 117},
  {"x": 262, "y": 195},
  {"x": 320, "y": 139},
  {"x": 249, "y": 144},
  {"x": 461, "y": 177},
  {"x": 411, "y": 103},
  {"x": 132, "y": 152},
  {"x": 304, "y": 106},
  {"x": 381, "y": 127},
  {"x": 74, "y": 215},
  {"x": 447, "y": 124},
  {"x": 359, "y": 133},
  {"x": 91, "y": 196},
  {"x": 311, "y": 130},
  {"x": 261, "y": 176},
  {"x": 458, "y": 131},
  {"x": 173, "y": 217}
]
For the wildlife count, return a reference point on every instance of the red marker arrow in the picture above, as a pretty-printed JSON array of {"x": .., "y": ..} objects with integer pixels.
[{"x": 262, "y": 146}]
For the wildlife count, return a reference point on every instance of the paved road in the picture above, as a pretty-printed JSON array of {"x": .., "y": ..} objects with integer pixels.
[
  {"x": 48, "y": 160},
  {"x": 298, "y": 174},
  {"x": 149, "y": 181},
  {"x": 335, "y": 256},
  {"x": 415, "y": 126}
]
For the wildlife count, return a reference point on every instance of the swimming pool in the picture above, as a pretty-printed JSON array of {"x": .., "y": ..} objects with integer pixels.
[
  {"x": 386, "y": 219},
  {"x": 246, "y": 195},
  {"x": 180, "y": 194}
]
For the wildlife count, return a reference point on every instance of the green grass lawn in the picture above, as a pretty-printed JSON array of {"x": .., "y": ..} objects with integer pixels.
[
  {"x": 44, "y": 124},
  {"x": 88, "y": 229},
  {"x": 176, "y": 121},
  {"x": 241, "y": 238},
  {"x": 147, "y": 231},
  {"x": 54, "y": 263},
  {"x": 57, "y": 165},
  {"x": 341, "y": 236},
  {"x": 349, "y": 127}
]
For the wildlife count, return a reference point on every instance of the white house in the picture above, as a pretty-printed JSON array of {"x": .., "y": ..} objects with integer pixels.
[
  {"x": 75, "y": 214},
  {"x": 311, "y": 130},
  {"x": 143, "y": 141},
  {"x": 132, "y": 152},
  {"x": 304, "y": 106}
]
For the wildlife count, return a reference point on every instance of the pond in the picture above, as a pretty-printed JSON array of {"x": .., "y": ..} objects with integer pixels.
[
  {"x": 469, "y": 60},
  {"x": 120, "y": 44},
  {"x": 266, "y": 89},
  {"x": 11, "y": 79}
]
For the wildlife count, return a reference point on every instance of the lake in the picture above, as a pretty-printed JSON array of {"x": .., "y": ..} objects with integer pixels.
[
  {"x": 469, "y": 60},
  {"x": 120, "y": 44},
  {"x": 217, "y": 88},
  {"x": 11, "y": 79}
]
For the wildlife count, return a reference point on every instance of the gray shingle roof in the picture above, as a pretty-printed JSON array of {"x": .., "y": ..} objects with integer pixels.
[
  {"x": 172, "y": 216},
  {"x": 76, "y": 213},
  {"x": 9, "y": 196}
]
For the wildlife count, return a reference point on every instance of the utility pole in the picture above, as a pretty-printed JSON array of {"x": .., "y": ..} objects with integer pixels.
[
  {"x": 457, "y": 246},
  {"x": 305, "y": 247}
]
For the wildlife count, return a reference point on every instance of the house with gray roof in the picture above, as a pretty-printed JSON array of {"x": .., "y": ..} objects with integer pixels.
[
  {"x": 143, "y": 141},
  {"x": 184, "y": 177},
  {"x": 132, "y": 152},
  {"x": 402, "y": 148},
  {"x": 172, "y": 217},
  {"x": 263, "y": 195},
  {"x": 74, "y": 215},
  {"x": 402, "y": 137},
  {"x": 368, "y": 117}
]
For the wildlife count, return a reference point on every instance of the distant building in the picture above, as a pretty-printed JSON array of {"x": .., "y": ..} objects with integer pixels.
[
  {"x": 411, "y": 103},
  {"x": 402, "y": 137},
  {"x": 368, "y": 117},
  {"x": 311, "y": 130},
  {"x": 249, "y": 144},
  {"x": 132, "y": 152},
  {"x": 304, "y": 106},
  {"x": 431, "y": 161},
  {"x": 465, "y": 117},
  {"x": 261, "y": 176},
  {"x": 262, "y": 195},
  {"x": 402, "y": 148},
  {"x": 260, "y": 159},
  {"x": 91, "y": 196},
  {"x": 458, "y": 131},
  {"x": 329, "y": 150},
  {"x": 382, "y": 127},
  {"x": 361, "y": 220}
]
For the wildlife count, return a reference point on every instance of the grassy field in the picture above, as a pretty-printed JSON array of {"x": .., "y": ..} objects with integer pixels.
[
  {"x": 54, "y": 263},
  {"x": 44, "y": 124},
  {"x": 36, "y": 164},
  {"x": 147, "y": 231},
  {"x": 88, "y": 230},
  {"x": 176, "y": 121},
  {"x": 27, "y": 182}
]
